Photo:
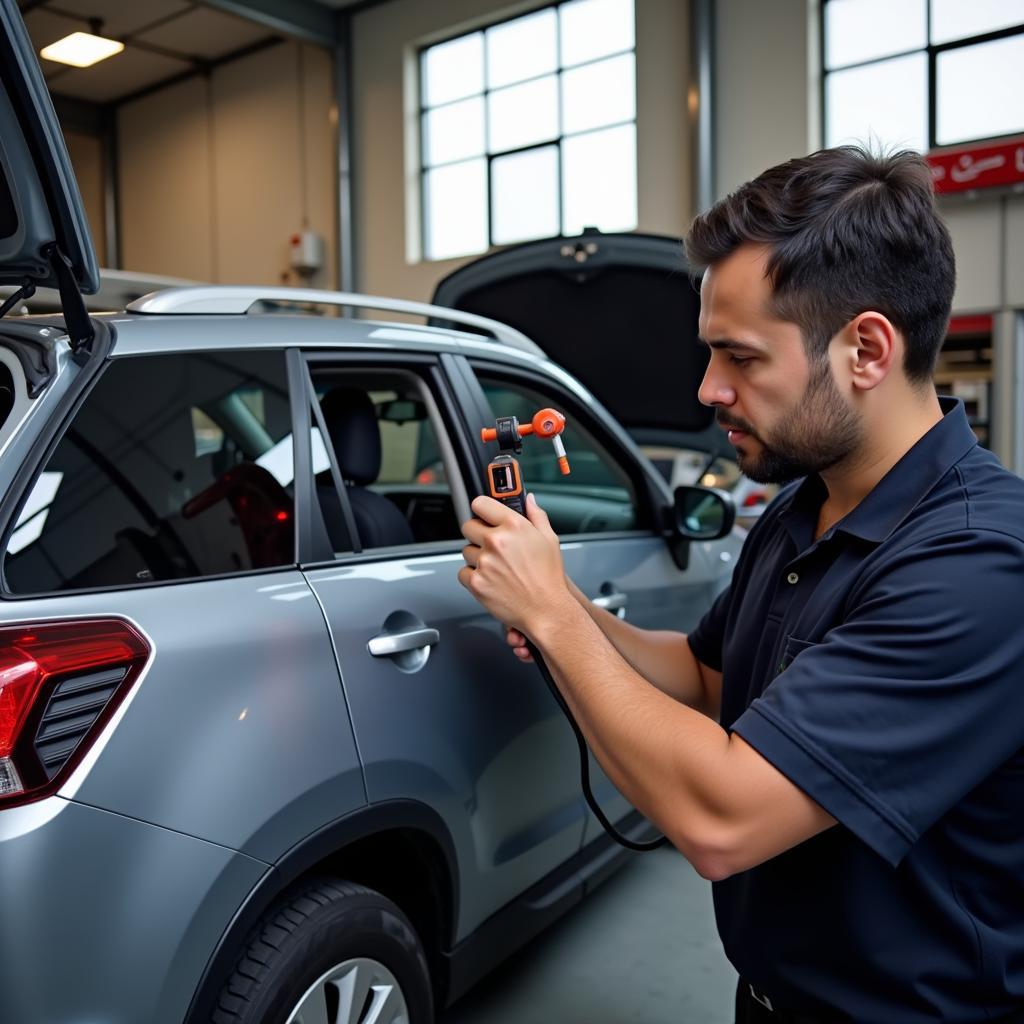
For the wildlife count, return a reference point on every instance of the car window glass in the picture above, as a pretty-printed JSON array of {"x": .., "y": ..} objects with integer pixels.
[
  {"x": 596, "y": 497},
  {"x": 175, "y": 467},
  {"x": 390, "y": 445}
]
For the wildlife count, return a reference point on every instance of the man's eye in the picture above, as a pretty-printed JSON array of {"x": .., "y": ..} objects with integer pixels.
[{"x": 740, "y": 360}]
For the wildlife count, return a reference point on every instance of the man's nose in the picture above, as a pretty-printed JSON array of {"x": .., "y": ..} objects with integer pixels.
[{"x": 714, "y": 390}]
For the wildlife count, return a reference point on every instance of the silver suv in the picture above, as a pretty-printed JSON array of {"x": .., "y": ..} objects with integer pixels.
[{"x": 262, "y": 758}]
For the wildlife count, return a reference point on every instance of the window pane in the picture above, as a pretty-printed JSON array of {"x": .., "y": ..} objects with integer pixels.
[
  {"x": 599, "y": 180},
  {"x": 520, "y": 49},
  {"x": 599, "y": 94},
  {"x": 524, "y": 195},
  {"x": 980, "y": 91},
  {"x": 132, "y": 494},
  {"x": 523, "y": 114},
  {"x": 453, "y": 70},
  {"x": 402, "y": 498},
  {"x": 955, "y": 19},
  {"x": 455, "y": 203},
  {"x": 596, "y": 497},
  {"x": 454, "y": 132},
  {"x": 854, "y": 29},
  {"x": 882, "y": 104},
  {"x": 590, "y": 29}
]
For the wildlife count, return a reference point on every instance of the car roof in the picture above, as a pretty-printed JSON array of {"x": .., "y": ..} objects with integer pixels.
[{"x": 137, "y": 334}]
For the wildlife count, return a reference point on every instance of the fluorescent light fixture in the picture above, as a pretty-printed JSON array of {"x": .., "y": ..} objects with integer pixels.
[{"x": 81, "y": 49}]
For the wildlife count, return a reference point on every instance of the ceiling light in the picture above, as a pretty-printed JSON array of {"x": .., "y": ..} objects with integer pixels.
[{"x": 81, "y": 49}]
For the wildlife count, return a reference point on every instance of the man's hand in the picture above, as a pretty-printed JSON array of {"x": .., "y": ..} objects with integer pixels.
[
  {"x": 513, "y": 564},
  {"x": 517, "y": 642}
]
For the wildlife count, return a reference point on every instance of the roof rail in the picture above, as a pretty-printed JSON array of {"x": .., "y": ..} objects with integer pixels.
[{"x": 235, "y": 299}]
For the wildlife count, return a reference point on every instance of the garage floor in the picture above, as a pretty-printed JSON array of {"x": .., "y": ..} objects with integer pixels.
[{"x": 641, "y": 950}]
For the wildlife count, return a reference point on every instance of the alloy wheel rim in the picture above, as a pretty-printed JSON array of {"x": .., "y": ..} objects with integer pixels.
[{"x": 358, "y": 991}]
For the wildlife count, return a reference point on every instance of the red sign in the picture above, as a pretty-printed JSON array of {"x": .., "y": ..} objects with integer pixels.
[{"x": 986, "y": 166}]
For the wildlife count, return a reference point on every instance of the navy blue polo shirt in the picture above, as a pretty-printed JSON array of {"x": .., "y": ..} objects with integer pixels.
[{"x": 881, "y": 669}]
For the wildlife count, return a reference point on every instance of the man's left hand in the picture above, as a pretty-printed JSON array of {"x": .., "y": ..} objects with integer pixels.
[{"x": 513, "y": 564}]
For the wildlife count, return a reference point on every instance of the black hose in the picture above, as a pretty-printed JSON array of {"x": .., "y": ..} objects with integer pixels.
[{"x": 585, "y": 762}]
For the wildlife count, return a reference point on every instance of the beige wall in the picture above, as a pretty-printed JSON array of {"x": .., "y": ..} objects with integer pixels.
[
  {"x": 217, "y": 173},
  {"x": 385, "y": 40},
  {"x": 86, "y": 152},
  {"x": 766, "y": 68}
]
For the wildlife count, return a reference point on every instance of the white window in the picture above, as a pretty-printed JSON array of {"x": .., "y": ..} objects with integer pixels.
[
  {"x": 528, "y": 129},
  {"x": 922, "y": 73}
]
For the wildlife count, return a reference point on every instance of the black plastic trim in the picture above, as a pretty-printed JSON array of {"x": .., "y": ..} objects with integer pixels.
[{"x": 37, "y": 355}]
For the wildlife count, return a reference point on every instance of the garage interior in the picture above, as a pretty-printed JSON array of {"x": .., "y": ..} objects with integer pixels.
[{"x": 277, "y": 142}]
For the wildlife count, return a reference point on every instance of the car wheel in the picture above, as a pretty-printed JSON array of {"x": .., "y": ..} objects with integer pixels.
[{"x": 329, "y": 952}]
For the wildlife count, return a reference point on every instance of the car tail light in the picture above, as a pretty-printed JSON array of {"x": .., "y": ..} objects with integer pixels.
[
  {"x": 59, "y": 684},
  {"x": 755, "y": 498}
]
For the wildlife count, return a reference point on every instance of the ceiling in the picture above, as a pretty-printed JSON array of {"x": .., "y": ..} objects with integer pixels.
[{"x": 164, "y": 41}]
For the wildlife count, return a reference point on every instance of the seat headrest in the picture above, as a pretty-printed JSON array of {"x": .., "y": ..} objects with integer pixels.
[{"x": 352, "y": 423}]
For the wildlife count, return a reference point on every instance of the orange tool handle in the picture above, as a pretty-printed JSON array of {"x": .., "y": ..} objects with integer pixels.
[{"x": 546, "y": 423}]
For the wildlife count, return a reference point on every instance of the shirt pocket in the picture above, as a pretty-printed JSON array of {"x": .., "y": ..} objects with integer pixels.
[{"x": 790, "y": 649}]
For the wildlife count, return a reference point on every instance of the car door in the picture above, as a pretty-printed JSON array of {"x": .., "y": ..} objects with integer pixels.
[
  {"x": 442, "y": 713},
  {"x": 606, "y": 513}
]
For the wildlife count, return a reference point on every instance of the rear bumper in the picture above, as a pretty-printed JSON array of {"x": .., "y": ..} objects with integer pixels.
[{"x": 106, "y": 918}]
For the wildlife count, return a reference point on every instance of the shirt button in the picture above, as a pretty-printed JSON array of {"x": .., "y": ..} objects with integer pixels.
[{"x": 792, "y": 578}]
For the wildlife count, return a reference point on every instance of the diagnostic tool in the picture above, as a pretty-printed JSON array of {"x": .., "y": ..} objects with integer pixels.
[{"x": 505, "y": 483}]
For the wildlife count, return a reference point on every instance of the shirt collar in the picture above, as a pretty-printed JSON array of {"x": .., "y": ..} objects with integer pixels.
[{"x": 895, "y": 496}]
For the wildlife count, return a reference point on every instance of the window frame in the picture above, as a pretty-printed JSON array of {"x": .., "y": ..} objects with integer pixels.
[
  {"x": 429, "y": 369},
  {"x": 56, "y": 430},
  {"x": 421, "y": 110},
  {"x": 646, "y": 496},
  {"x": 932, "y": 52}
]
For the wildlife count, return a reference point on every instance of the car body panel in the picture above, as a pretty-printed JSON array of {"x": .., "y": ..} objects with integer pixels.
[
  {"x": 206, "y": 742},
  {"x": 137, "y": 957},
  {"x": 471, "y": 734}
]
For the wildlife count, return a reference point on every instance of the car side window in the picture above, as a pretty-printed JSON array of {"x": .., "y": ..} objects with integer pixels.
[
  {"x": 597, "y": 496},
  {"x": 175, "y": 467},
  {"x": 393, "y": 455}
]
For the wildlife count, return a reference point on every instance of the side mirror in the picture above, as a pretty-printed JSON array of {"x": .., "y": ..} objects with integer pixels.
[{"x": 703, "y": 513}]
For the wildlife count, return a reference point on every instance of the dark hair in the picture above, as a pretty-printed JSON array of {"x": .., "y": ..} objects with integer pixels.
[{"x": 848, "y": 231}]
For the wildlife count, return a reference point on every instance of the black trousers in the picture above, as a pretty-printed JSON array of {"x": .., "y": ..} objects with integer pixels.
[{"x": 750, "y": 1011}]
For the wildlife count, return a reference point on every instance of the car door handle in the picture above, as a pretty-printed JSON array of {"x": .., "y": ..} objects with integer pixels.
[
  {"x": 614, "y": 602},
  {"x": 384, "y": 645}
]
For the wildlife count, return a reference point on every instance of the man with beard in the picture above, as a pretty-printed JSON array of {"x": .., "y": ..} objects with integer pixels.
[{"x": 853, "y": 786}]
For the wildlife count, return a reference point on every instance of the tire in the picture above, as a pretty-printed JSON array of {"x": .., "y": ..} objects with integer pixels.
[{"x": 329, "y": 952}]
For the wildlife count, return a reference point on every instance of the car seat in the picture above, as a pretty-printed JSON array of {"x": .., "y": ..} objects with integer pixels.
[{"x": 352, "y": 425}]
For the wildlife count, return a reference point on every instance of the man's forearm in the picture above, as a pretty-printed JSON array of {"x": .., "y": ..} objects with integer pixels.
[{"x": 662, "y": 657}]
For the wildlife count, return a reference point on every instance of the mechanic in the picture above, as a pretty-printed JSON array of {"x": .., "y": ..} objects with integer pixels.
[{"x": 838, "y": 744}]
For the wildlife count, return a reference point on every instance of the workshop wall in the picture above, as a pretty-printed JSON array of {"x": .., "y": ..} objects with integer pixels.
[
  {"x": 385, "y": 40},
  {"x": 217, "y": 173},
  {"x": 766, "y": 86},
  {"x": 86, "y": 153}
]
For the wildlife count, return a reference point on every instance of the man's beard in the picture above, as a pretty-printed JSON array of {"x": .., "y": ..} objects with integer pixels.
[{"x": 819, "y": 432}]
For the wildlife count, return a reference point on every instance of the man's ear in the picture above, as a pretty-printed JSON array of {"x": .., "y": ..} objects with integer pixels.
[{"x": 871, "y": 349}]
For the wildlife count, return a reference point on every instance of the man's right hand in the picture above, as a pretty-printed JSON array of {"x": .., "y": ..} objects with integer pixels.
[{"x": 517, "y": 642}]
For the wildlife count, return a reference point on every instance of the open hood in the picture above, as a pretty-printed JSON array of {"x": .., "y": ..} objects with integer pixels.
[
  {"x": 619, "y": 311},
  {"x": 44, "y": 236}
]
